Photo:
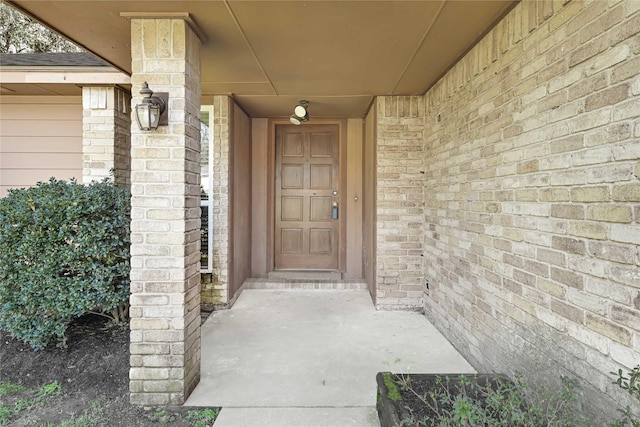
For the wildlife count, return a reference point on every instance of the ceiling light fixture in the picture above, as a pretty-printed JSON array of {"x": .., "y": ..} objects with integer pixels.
[
  {"x": 300, "y": 113},
  {"x": 151, "y": 112}
]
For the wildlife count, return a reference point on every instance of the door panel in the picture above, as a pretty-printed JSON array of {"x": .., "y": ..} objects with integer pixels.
[
  {"x": 292, "y": 241},
  {"x": 321, "y": 177},
  {"x": 292, "y": 176},
  {"x": 292, "y": 208},
  {"x": 320, "y": 241},
  {"x": 306, "y": 236},
  {"x": 320, "y": 209}
]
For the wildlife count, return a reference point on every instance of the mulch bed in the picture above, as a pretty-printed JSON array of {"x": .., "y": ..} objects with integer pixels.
[
  {"x": 93, "y": 373},
  {"x": 402, "y": 406}
]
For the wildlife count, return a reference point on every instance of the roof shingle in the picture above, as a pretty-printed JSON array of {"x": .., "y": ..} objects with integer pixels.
[{"x": 57, "y": 59}]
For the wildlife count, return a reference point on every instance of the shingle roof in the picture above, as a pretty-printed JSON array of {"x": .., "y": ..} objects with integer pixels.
[{"x": 59, "y": 59}]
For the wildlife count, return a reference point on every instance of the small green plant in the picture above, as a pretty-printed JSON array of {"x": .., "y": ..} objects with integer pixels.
[
  {"x": 10, "y": 388},
  {"x": 629, "y": 382},
  {"x": 203, "y": 417},
  {"x": 7, "y": 413},
  {"x": 498, "y": 402},
  {"x": 64, "y": 252},
  {"x": 50, "y": 389},
  {"x": 90, "y": 418},
  {"x": 392, "y": 390},
  {"x": 163, "y": 417}
]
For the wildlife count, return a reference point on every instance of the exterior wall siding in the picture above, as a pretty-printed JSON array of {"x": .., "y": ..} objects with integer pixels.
[
  {"x": 532, "y": 191},
  {"x": 399, "y": 202},
  {"x": 241, "y": 205},
  {"x": 40, "y": 138}
]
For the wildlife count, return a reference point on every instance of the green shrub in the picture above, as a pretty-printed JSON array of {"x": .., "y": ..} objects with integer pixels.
[
  {"x": 64, "y": 252},
  {"x": 631, "y": 384}
]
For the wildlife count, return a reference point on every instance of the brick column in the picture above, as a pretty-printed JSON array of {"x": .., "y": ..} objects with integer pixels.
[
  {"x": 106, "y": 134},
  {"x": 165, "y": 217},
  {"x": 400, "y": 202}
]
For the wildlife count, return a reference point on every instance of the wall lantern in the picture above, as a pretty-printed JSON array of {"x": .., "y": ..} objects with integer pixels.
[
  {"x": 300, "y": 113},
  {"x": 152, "y": 111}
]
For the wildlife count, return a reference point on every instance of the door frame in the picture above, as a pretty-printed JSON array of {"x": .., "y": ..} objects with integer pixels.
[{"x": 342, "y": 196}]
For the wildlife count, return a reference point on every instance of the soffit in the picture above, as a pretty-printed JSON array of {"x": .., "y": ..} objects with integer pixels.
[
  {"x": 269, "y": 54},
  {"x": 40, "y": 89}
]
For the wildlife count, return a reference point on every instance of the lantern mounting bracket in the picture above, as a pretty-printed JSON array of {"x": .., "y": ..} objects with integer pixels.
[{"x": 164, "y": 99}]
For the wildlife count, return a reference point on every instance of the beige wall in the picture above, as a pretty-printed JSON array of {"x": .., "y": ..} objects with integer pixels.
[
  {"x": 40, "y": 137},
  {"x": 353, "y": 198},
  {"x": 262, "y": 188},
  {"x": 240, "y": 191},
  {"x": 262, "y": 192},
  {"x": 532, "y": 194}
]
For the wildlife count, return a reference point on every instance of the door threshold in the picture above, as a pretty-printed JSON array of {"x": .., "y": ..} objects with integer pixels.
[
  {"x": 305, "y": 275},
  {"x": 302, "y": 284}
]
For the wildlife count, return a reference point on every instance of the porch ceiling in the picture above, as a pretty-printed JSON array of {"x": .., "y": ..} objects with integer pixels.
[{"x": 269, "y": 54}]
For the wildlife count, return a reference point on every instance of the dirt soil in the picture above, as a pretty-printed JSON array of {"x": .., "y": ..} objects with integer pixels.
[{"x": 93, "y": 377}]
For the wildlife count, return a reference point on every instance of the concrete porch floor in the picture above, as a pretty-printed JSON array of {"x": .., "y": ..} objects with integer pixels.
[{"x": 309, "y": 357}]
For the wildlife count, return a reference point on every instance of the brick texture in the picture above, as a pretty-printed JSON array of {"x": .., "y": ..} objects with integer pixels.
[
  {"x": 165, "y": 217},
  {"x": 106, "y": 134},
  {"x": 400, "y": 195},
  {"x": 531, "y": 190}
]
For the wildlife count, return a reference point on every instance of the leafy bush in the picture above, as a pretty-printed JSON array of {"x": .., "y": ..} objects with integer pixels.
[
  {"x": 631, "y": 384},
  {"x": 64, "y": 252}
]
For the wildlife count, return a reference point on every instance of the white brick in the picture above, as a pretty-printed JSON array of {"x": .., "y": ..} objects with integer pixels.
[{"x": 625, "y": 233}]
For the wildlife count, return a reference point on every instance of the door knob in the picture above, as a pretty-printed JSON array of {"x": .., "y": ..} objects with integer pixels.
[{"x": 335, "y": 193}]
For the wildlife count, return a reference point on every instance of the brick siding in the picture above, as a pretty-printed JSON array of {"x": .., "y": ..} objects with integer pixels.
[
  {"x": 399, "y": 202},
  {"x": 532, "y": 192},
  {"x": 106, "y": 134}
]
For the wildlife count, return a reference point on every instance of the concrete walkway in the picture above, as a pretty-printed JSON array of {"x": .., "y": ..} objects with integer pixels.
[{"x": 309, "y": 358}]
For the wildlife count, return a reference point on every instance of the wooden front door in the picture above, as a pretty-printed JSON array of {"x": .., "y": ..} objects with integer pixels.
[{"x": 307, "y": 186}]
